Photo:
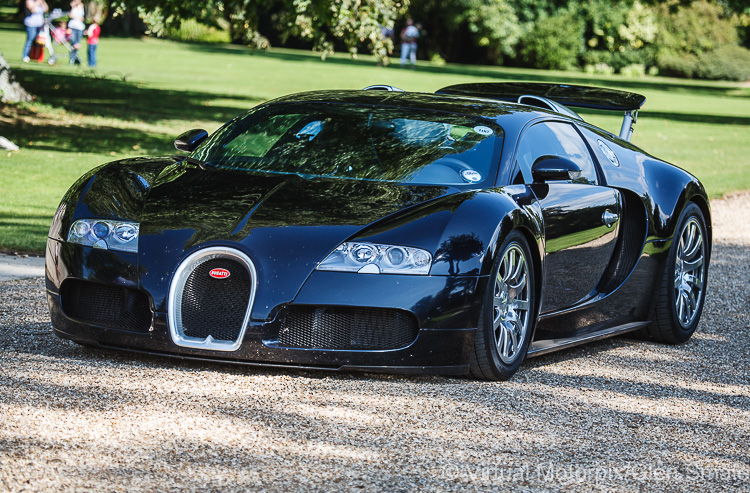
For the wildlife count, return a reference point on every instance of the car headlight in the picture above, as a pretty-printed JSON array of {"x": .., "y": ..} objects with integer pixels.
[
  {"x": 101, "y": 233},
  {"x": 374, "y": 258}
]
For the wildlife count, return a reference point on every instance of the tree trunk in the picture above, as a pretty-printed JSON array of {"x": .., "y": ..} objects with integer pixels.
[{"x": 10, "y": 90}]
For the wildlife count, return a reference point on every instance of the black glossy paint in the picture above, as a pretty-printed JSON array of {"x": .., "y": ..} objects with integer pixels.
[
  {"x": 568, "y": 94},
  {"x": 589, "y": 276},
  {"x": 575, "y": 235}
]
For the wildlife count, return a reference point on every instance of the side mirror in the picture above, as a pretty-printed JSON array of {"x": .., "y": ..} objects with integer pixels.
[
  {"x": 190, "y": 140},
  {"x": 554, "y": 168}
]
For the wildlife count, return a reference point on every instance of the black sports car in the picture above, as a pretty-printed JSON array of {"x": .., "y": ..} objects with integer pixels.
[{"x": 383, "y": 230}]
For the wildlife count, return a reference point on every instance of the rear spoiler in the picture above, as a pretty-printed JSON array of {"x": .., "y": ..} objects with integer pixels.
[{"x": 546, "y": 95}]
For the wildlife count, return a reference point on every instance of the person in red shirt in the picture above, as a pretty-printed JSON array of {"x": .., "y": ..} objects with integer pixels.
[{"x": 93, "y": 33}]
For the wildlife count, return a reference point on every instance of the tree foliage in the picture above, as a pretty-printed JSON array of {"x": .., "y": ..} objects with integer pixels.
[
  {"x": 324, "y": 23},
  {"x": 629, "y": 36}
]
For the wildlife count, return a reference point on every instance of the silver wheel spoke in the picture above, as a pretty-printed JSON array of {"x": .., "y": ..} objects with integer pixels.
[
  {"x": 694, "y": 281},
  {"x": 693, "y": 248},
  {"x": 689, "y": 272},
  {"x": 521, "y": 305},
  {"x": 689, "y": 241},
  {"x": 521, "y": 283},
  {"x": 692, "y": 265},
  {"x": 508, "y": 261},
  {"x": 502, "y": 339},
  {"x": 517, "y": 270},
  {"x": 513, "y": 346},
  {"x": 692, "y": 302},
  {"x": 496, "y": 322},
  {"x": 511, "y": 303}
]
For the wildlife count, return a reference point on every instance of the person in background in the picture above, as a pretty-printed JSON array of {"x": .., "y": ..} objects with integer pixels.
[
  {"x": 59, "y": 32},
  {"x": 33, "y": 21},
  {"x": 76, "y": 26},
  {"x": 409, "y": 36},
  {"x": 93, "y": 33}
]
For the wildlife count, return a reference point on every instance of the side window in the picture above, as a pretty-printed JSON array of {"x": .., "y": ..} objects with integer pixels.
[{"x": 555, "y": 139}]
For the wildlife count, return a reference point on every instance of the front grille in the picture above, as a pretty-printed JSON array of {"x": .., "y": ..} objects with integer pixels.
[
  {"x": 346, "y": 328},
  {"x": 215, "y": 307},
  {"x": 106, "y": 305}
]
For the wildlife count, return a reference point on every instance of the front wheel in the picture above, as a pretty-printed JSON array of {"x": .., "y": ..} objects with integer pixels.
[
  {"x": 683, "y": 288},
  {"x": 506, "y": 319}
]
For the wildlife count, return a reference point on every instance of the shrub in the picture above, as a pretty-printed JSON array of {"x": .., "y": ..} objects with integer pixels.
[
  {"x": 195, "y": 32},
  {"x": 437, "y": 60},
  {"x": 728, "y": 62},
  {"x": 554, "y": 43},
  {"x": 619, "y": 60},
  {"x": 634, "y": 70},
  {"x": 677, "y": 65},
  {"x": 695, "y": 28},
  {"x": 600, "y": 68}
]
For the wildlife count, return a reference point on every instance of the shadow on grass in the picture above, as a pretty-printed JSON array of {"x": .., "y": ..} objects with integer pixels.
[
  {"x": 24, "y": 233},
  {"x": 98, "y": 139},
  {"x": 115, "y": 98},
  {"x": 675, "y": 117}
]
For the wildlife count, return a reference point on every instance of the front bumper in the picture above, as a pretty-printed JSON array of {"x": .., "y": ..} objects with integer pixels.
[{"x": 446, "y": 309}]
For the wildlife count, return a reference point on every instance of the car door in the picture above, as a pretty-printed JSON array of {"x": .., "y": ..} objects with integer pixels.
[{"x": 581, "y": 217}]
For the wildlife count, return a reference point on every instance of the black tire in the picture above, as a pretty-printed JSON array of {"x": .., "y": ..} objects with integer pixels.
[
  {"x": 506, "y": 320},
  {"x": 682, "y": 293}
]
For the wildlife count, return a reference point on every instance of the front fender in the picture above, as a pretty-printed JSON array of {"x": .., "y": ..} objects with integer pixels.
[
  {"x": 463, "y": 230},
  {"x": 115, "y": 190}
]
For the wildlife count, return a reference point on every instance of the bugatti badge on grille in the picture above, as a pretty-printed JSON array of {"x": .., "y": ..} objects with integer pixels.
[{"x": 219, "y": 273}]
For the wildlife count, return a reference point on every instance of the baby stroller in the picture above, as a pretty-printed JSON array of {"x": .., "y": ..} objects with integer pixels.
[{"x": 52, "y": 35}]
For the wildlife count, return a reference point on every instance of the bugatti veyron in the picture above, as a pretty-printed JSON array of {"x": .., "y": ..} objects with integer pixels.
[{"x": 381, "y": 230}]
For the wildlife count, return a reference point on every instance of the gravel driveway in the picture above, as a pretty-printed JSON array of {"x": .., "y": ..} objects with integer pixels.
[{"x": 618, "y": 415}]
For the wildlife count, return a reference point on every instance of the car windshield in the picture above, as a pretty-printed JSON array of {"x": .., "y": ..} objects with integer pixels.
[{"x": 357, "y": 142}]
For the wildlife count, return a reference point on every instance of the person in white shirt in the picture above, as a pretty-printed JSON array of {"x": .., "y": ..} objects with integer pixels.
[
  {"x": 33, "y": 21},
  {"x": 409, "y": 37},
  {"x": 76, "y": 26}
]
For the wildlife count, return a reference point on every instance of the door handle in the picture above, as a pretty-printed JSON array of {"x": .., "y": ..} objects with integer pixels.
[{"x": 610, "y": 218}]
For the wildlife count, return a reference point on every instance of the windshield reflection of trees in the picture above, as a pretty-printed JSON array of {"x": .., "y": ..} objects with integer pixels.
[{"x": 358, "y": 142}]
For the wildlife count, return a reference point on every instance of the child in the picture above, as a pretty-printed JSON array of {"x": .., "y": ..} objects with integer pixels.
[
  {"x": 93, "y": 33},
  {"x": 59, "y": 33}
]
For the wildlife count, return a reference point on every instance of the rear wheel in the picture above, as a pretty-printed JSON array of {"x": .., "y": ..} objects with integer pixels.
[
  {"x": 506, "y": 319},
  {"x": 682, "y": 292}
]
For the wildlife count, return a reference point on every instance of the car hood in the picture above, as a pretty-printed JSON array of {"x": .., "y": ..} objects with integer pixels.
[{"x": 285, "y": 223}]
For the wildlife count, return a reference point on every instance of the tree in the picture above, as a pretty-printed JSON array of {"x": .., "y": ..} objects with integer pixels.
[
  {"x": 353, "y": 23},
  {"x": 10, "y": 90}
]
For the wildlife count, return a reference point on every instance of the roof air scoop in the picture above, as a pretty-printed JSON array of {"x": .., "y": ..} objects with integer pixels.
[
  {"x": 540, "y": 102},
  {"x": 382, "y": 87}
]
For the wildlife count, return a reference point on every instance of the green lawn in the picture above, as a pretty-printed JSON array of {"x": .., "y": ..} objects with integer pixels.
[{"x": 145, "y": 92}]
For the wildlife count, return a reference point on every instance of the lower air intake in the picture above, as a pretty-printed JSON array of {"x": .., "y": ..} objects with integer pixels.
[
  {"x": 106, "y": 305},
  {"x": 347, "y": 328}
]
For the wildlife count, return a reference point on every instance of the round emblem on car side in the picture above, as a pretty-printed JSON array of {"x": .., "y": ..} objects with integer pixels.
[
  {"x": 609, "y": 153},
  {"x": 219, "y": 273}
]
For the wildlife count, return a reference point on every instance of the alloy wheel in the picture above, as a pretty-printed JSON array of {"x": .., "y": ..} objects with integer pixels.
[{"x": 511, "y": 304}]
